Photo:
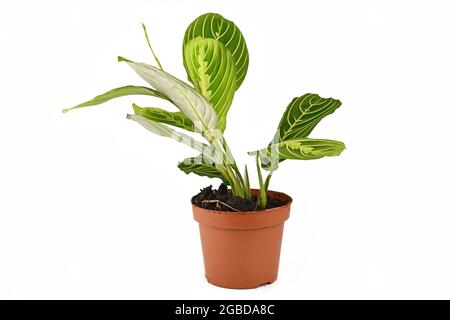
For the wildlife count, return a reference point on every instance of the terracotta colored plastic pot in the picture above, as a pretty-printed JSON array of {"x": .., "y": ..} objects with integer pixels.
[{"x": 242, "y": 250}]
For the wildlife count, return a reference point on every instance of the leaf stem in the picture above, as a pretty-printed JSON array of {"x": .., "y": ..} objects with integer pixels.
[
  {"x": 236, "y": 188},
  {"x": 247, "y": 182},
  {"x": 241, "y": 180},
  {"x": 262, "y": 200},
  {"x": 237, "y": 183},
  {"x": 150, "y": 46},
  {"x": 266, "y": 183}
]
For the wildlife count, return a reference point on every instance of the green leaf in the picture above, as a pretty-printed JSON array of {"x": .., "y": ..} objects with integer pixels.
[
  {"x": 214, "y": 26},
  {"x": 117, "y": 93},
  {"x": 165, "y": 131},
  {"x": 192, "y": 103},
  {"x": 201, "y": 166},
  {"x": 298, "y": 149},
  {"x": 177, "y": 119},
  {"x": 302, "y": 115},
  {"x": 211, "y": 69},
  {"x": 291, "y": 142}
]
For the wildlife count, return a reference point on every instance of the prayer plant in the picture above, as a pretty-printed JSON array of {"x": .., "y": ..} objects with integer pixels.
[{"x": 216, "y": 60}]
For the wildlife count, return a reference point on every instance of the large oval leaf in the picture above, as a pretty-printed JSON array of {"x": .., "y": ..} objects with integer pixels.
[
  {"x": 192, "y": 103},
  {"x": 213, "y": 25},
  {"x": 211, "y": 69},
  {"x": 298, "y": 149},
  {"x": 303, "y": 114}
]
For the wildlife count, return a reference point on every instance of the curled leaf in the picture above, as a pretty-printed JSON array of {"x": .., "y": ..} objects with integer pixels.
[{"x": 214, "y": 26}]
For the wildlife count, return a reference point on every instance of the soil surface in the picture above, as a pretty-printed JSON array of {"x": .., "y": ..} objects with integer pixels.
[{"x": 222, "y": 200}]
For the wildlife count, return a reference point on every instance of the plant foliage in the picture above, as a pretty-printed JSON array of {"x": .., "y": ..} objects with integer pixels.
[{"x": 216, "y": 59}]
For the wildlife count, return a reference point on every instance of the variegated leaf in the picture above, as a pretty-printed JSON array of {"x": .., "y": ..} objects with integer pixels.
[
  {"x": 201, "y": 166},
  {"x": 165, "y": 131},
  {"x": 192, "y": 103},
  {"x": 298, "y": 149},
  {"x": 177, "y": 119},
  {"x": 302, "y": 115},
  {"x": 212, "y": 71},
  {"x": 214, "y": 26}
]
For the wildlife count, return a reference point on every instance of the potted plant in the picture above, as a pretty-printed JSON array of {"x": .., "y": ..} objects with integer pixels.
[{"x": 241, "y": 228}]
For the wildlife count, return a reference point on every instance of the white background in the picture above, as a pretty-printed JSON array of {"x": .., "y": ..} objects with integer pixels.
[{"x": 93, "y": 206}]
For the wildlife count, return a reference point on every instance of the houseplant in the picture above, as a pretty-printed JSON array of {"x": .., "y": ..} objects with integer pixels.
[{"x": 241, "y": 228}]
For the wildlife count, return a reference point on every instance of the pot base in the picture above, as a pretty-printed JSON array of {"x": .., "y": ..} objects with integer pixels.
[{"x": 226, "y": 286}]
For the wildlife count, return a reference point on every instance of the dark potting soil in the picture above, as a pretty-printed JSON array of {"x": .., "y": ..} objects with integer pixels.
[{"x": 223, "y": 200}]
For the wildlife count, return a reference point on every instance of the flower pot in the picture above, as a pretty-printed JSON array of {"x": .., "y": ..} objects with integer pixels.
[{"x": 241, "y": 250}]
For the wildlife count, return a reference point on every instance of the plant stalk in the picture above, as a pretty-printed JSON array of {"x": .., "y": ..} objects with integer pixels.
[
  {"x": 247, "y": 182},
  {"x": 262, "y": 200},
  {"x": 267, "y": 182},
  {"x": 231, "y": 170}
]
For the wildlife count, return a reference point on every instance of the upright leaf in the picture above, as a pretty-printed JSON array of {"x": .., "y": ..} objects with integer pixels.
[
  {"x": 291, "y": 142},
  {"x": 214, "y": 26},
  {"x": 192, "y": 103},
  {"x": 211, "y": 68},
  {"x": 177, "y": 119},
  {"x": 298, "y": 149},
  {"x": 303, "y": 114},
  {"x": 201, "y": 166},
  {"x": 117, "y": 93}
]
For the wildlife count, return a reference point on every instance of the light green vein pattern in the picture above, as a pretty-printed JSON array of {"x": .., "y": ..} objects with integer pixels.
[
  {"x": 291, "y": 142},
  {"x": 303, "y": 114},
  {"x": 214, "y": 26},
  {"x": 298, "y": 149},
  {"x": 211, "y": 68}
]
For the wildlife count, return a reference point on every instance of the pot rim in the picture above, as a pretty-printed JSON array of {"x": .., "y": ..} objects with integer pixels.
[
  {"x": 244, "y": 220},
  {"x": 254, "y": 192}
]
